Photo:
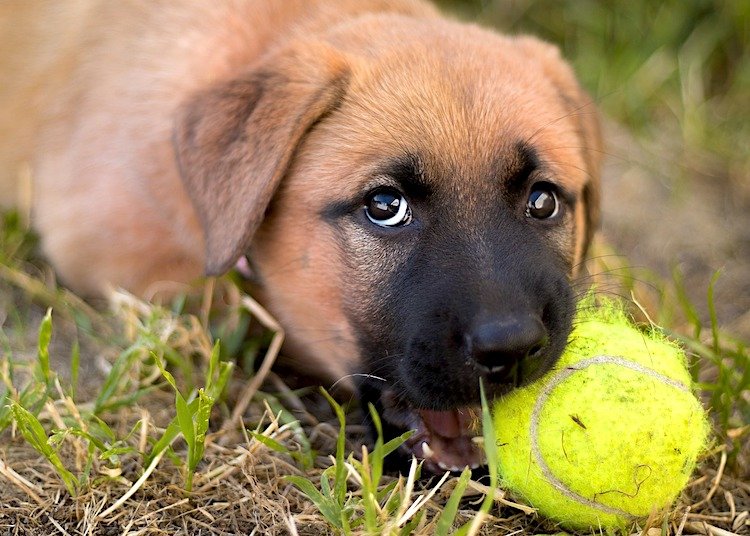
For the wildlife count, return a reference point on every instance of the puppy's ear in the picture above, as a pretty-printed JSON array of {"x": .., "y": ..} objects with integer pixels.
[
  {"x": 235, "y": 141},
  {"x": 582, "y": 110}
]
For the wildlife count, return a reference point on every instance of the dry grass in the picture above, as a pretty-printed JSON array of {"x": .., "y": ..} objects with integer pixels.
[
  {"x": 241, "y": 490},
  {"x": 240, "y": 486}
]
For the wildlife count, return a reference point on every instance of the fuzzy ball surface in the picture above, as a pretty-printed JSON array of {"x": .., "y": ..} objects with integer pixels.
[{"x": 611, "y": 434}]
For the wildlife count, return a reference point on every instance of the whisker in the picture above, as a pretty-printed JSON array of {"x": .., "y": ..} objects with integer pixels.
[{"x": 357, "y": 375}]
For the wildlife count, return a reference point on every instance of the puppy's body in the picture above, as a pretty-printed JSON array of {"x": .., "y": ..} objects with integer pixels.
[{"x": 166, "y": 138}]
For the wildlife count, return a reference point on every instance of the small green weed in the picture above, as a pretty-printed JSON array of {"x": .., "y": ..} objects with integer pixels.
[
  {"x": 35, "y": 393},
  {"x": 34, "y": 433},
  {"x": 193, "y": 412},
  {"x": 43, "y": 395},
  {"x": 46, "y": 415},
  {"x": 387, "y": 508},
  {"x": 722, "y": 366},
  {"x": 377, "y": 507}
]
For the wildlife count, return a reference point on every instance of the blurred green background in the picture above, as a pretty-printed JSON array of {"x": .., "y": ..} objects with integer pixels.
[{"x": 677, "y": 68}]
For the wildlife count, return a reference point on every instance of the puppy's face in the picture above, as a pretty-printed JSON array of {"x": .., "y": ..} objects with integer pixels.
[{"x": 429, "y": 221}]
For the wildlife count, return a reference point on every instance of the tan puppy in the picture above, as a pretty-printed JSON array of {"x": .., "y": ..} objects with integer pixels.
[{"x": 414, "y": 194}]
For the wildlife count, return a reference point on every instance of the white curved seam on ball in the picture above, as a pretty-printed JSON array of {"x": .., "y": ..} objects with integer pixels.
[{"x": 557, "y": 380}]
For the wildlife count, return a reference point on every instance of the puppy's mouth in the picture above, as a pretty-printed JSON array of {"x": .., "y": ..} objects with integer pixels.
[{"x": 446, "y": 440}]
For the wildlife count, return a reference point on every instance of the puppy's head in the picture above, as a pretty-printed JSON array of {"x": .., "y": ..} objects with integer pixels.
[{"x": 415, "y": 198}]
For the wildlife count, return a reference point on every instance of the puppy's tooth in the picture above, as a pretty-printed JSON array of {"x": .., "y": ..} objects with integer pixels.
[
  {"x": 451, "y": 468},
  {"x": 477, "y": 440},
  {"x": 426, "y": 450},
  {"x": 474, "y": 465}
]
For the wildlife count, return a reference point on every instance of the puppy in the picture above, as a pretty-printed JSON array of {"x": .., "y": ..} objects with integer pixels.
[{"x": 414, "y": 194}]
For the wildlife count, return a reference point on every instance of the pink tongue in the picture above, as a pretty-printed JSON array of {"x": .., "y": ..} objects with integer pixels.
[{"x": 448, "y": 424}]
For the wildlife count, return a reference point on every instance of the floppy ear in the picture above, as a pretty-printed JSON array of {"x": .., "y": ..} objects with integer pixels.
[
  {"x": 235, "y": 141},
  {"x": 582, "y": 110}
]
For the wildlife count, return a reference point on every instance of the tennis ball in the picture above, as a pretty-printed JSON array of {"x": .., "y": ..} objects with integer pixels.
[{"x": 611, "y": 434}]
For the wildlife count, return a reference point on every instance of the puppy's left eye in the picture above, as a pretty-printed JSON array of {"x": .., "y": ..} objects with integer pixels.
[
  {"x": 543, "y": 203},
  {"x": 388, "y": 208}
]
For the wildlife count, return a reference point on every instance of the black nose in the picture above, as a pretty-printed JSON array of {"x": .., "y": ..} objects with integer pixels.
[{"x": 499, "y": 344}]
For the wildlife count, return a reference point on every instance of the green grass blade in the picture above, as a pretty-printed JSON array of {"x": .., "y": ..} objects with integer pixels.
[
  {"x": 412, "y": 524},
  {"x": 122, "y": 364},
  {"x": 327, "y": 507},
  {"x": 185, "y": 420},
  {"x": 201, "y": 418},
  {"x": 102, "y": 428},
  {"x": 6, "y": 383},
  {"x": 169, "y": 435},
  {"x": 213, "y": 363},
  {"x": 325, "y": 485},
  {"x": 217, "y": 387},
  {"x": 377, "y": 456},
  {"x": 305, "y": 456},
  {"x": 96, "y": 442},
  {"x": 488, "y": 433},
  {"x": 712, "y": 315},
  {"x": 269, "y": 442},
  {"x": 34, "y": 396},
  {"x": 339, "y": 482},
  {"x": 396, "y": 442},
  {"x": 45, "y": 335},
  {"x": 448, "y": 515},
  {"x": 33, "y": 432},
  {"x": 164, "y": 372},
  {"x": 390, "y": 497},
  {"x": 490, "y": 452},
  {"x": 75, "y": 366}
]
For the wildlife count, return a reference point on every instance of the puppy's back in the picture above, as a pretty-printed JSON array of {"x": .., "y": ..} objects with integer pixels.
[{"x": 39, "y": 37}]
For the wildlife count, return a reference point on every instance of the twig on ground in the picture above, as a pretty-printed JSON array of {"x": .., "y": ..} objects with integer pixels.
[
  {"x": 716, "y": 481},
  {"x": 269, "y": 322},
  {"x": 30, "y": 489}
]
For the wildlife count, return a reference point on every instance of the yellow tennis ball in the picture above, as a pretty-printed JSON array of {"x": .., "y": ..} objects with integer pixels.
[{"x": 611, "y": 434}]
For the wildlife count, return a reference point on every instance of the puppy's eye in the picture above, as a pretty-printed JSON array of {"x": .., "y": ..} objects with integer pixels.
[
  {"x": 387, "y": 208},
  {"x": 542, "y": 203}
]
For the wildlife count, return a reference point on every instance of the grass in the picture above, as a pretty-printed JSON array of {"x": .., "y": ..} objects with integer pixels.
[
  {"x": 726, "y": 383},
  {"x": 122, "y": 422},
  {"x": 150, "y": 431},
  {"x": 52, "y": 422}
]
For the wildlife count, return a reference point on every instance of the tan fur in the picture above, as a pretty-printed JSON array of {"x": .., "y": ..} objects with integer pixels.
[{"x": 149, "y": 165}]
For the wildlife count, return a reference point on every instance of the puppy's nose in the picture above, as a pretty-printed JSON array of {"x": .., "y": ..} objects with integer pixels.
[{"x": 499, "y": 344}]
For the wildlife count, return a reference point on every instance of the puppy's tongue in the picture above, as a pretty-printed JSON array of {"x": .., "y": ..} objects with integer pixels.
[
  {"x": 447, "y": 424},
  {"x": 445, "y": 440}
]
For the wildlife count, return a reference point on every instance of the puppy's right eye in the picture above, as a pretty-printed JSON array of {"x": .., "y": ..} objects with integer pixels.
[
  {"x": 542, "y": 203},
  {"x": 388, "y": 208}
]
